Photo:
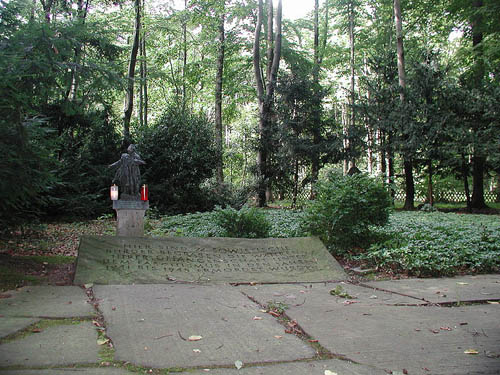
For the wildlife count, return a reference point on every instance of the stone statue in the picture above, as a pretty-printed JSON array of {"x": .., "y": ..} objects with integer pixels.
[{"x": 128, "y": 175}]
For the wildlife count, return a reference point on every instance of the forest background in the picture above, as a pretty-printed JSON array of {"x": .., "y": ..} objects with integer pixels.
[{"x": 226, "y": 99}]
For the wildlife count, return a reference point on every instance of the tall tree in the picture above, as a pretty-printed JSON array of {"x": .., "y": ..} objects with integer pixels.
[
  {"x": 129, "y": 98},
  {"x": 478, "y": 157},
  {"x": 319, "y": 48},
  {"x": 218, "y": 94},
  {"x": 265, "y": 93},
  {"x": 407, "y": 159}
]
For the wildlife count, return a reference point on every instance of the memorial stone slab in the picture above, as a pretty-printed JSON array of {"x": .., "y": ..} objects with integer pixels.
[
  {"x": 54, "y": 346},
  {"x": 446, "y": 290},
  {"x": 335, "y": 366},
  {"x": 129, "y": 260},
  {"x": 167, "y": 326},
  {"x": 47, "y": 301}
]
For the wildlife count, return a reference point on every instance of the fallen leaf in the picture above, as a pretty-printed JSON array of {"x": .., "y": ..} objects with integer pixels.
[
  {"x": 434, "y": 331},
  {"x": 102, "y": 341},
  {"x": 445, "y": 328},
  {"x": 96, "y": 323},
  {"x": 349, "y": 302},
  {"x": 113, "y": 308},
  {"x": 238, "y": 364},
  {"x": 417, "y": 329},
  {"x": 257, "y": 318},
  {"x": 275, "y": 314},
  {"x": 491, "y": 354},
  {"x": 471, "y": 351},
  {"x": 328, "y": 372},
  {"x": 194, "y": 338},
  {"x": 278, "y": 337},
  {"x": 36, "y": 330},
  {"x": 313, "y": 340},
  {"x": 263, "y": 311}
]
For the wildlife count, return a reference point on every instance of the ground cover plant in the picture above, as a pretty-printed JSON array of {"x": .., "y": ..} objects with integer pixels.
[{"x": 437, "y": 244}]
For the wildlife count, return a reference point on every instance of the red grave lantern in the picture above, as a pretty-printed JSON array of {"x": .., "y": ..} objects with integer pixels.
[{"x": 144, "y": 193}]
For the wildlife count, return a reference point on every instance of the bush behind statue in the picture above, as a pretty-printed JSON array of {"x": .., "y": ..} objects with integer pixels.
[
  {"x": 345, "y": 208},
  {"x": 180, "y": 154},
  {"x": 248, "y": 222}
]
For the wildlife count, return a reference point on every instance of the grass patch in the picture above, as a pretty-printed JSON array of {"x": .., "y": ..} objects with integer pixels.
[{"x": 38, "y": 327}]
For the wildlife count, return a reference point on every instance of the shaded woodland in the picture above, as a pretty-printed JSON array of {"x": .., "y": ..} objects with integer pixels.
[{"x": 227, "y": 100}]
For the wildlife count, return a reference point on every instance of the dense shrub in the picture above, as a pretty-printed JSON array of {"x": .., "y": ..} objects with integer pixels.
[
  {"x": 180, "y": 154},
  {"x": 248, "y": 222},
  {"x": 87, "y": 144},
  {"x": 345, "y": 208}
]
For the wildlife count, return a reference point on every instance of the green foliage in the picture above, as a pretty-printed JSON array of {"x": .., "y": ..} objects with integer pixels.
[
  {"x": 283, "y": 224},
  {"x": 180, "y": 154},
  {"x": 248, "y": 222},
  {"x": 340, "y": 292},
  {"x": 436, "y": 244},
  {"x": 345, "y": 209}
]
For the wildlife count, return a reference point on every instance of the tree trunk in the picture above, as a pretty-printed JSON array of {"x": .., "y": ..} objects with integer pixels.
[
  {"x": 129, "y": 99},
  {"x": 184, "y": 56},
  {"x": 465, "y": 177},
  {"x": 265, "y": 95},
  {"x": 430, "y": 192},
  {"x": 478, "y": 163},
  {"x": 317, "y": 104},
  {"x": 145, "y": 78},
  {"x": 218, "y": 100},
  {"x": 478, "y": 160},
  {"x": 295, "y": 183},
  {"x": 352, "y": 161},
  {"x": 408, "y": 165}
]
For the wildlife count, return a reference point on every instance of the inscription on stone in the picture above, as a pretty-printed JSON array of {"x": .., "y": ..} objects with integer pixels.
[{"x": 112, "y": 260}]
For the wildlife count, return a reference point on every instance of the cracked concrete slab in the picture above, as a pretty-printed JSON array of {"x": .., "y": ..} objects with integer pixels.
[
  {"x": 10, "y": 325},
  {"x": 70, "y": 371},
  {"x": 150, "y": 325},
  {"x": 420, "y": 339},
  {"x": 55, "y": 346},
  {"x": 308, "y": 367},
  {"x": 446, "y": 290},
  {"x": 318, "y": 295},
  {"x": 47, "y": 301},
  {"x": 335, "y": 366}
]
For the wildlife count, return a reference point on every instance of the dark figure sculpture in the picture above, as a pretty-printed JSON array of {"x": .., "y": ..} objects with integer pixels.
[{"x": 128, "y": 175}]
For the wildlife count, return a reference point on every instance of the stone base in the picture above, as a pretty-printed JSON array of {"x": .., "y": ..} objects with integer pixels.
[{"x": 130, "y": 217}]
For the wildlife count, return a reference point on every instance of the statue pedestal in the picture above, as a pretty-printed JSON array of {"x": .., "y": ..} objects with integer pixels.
[{"x": 130, "y": 217}]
